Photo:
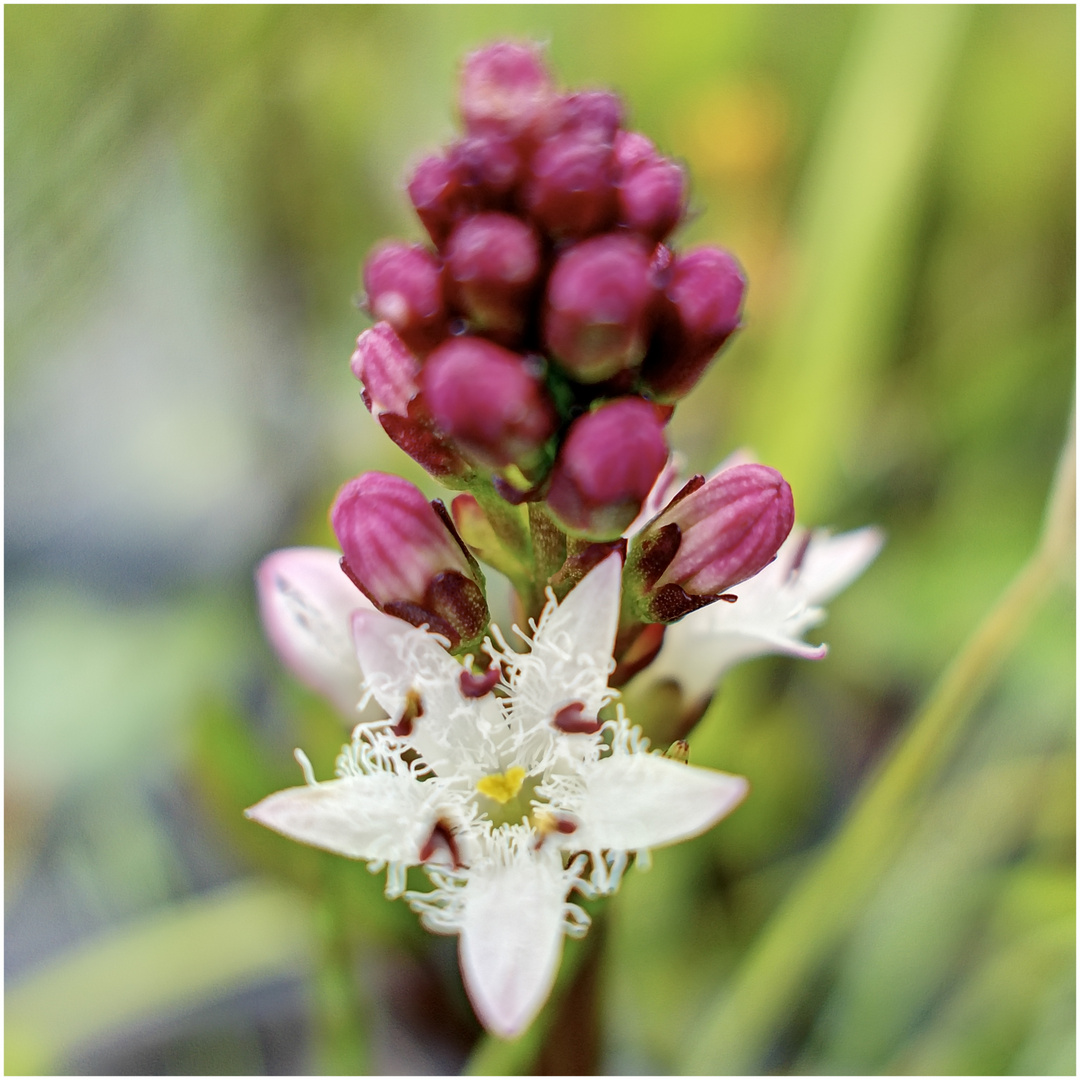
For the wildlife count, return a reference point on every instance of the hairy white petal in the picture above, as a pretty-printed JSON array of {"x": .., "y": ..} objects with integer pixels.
[
  {"x": 382, "y": 816},
  {"x": 455, "y": 735},
  {"x": 307, "y": 604},
  {"x": 633, "y": 801},
  {"x": 511, "y": 938},
  {"x": 570, "y": 659}
]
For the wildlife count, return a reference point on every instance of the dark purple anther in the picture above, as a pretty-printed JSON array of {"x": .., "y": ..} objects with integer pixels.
[
  {"x": 729, "y": 529},
  {"x": 606, "y": 467},
  {"x": 702, "y": 308},
  {"x": 573, "y": 720},
  {"x": 570, "y": 190},
  {"x": 436, "y": 193},
  {"x": 488, "y": 401},
  {"x": 493, "y": 262},
  {"x": 599, "y": 307},
  {"x": 404, "y": 288},
  {"x": 478, "y": 686},
  {"x": 505, "y": 88}
]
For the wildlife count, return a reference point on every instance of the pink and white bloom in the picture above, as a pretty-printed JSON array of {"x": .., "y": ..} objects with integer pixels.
[
  {"x": 510, "y": 793},
  {"x": 773, "y": 610}
]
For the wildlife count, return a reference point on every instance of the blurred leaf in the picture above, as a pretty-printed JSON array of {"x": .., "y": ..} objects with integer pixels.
[{"x": 185, "y": 955}]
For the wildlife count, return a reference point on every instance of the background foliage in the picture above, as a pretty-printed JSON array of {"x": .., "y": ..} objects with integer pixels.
[{"x": 189, "y": 192}]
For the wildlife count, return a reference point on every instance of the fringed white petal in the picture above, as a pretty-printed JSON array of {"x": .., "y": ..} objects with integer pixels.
[
  {"x": 307, "y": 605},
  {"x": 380, "y": 817},
  {"x": 636, "y": 801},
  {"x": 513, "y": 921},
  {"x": 570, "y": 658},
  {"x": 455, "y": 735}
]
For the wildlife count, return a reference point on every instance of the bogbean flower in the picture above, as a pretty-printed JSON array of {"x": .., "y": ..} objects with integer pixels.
[
  {"x": 506, "y": 787},
  {"x": 771, "y": 612}
]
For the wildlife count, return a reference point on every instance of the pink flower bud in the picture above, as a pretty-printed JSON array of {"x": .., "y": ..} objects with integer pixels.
[
  {"x": 505, "y": 88},
  {"x": 390, "y": 372},
  {"x": 404, "y": 287},
  {"x": 403, "y": 553},
  {"x": 632, "y": 149},
  {"x": 493, "y": 261},
  {"x": 599, "y": 307},
  {"x": 652, "y": 198},
  {"x": 570, "y": 190},
  {"x": 436, "y": 193},
  {"x": 488, "y": 168},
  {"x": 486, "y": 399},
  {"x": 596, "y": 111},
  {"x": 729, "y": 528},
  {"x": 606, "y": 467},
  {"x": 703, "y": 305}
]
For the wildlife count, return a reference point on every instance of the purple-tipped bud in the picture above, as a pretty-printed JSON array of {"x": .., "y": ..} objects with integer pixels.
[
  {"x": 404, "y": 287},
  {"x": 436, "y": 193},
  {"x": 390, "y": 373},
  {"x": 488, "y": 167},
  {"x": 486, "y": 399},
  {"x": 606, "y": 467},
  {"x": 599, "y": 307},
  {"x": 598, "y": 112},
  {"x": 570, "y": 191},
  {"x": 652, "y": 198},
  {"x": 493, "y": 261},
  {"x": 723, "y": 532},
  {"x": 402, "y": 552},
  {"x": 505, "y": 88},
  {"x": 703, "y": 307}
]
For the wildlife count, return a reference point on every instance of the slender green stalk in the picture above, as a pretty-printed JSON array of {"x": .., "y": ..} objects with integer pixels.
[{"x": 741, "y": 1022}]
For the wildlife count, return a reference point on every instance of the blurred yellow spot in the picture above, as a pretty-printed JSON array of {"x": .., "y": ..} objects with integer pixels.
[
  {"x": 736, "y": 131},
  {"x": 502, "y": 787}
]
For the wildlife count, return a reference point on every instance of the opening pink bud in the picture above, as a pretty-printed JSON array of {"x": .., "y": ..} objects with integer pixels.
[
  {"x": 729, "y": 529},
  {"x": 394, "y": 542},
  {"x": 570, "y": 191},
  {"x": 505, "y": 87},
  {"x": 703, "y": 308},
  {"x": 488, "y": 401},
  {"x": 387, "y": 369},
  {"x": 599, "y": 307},
  {"x": 632, "y": 149},
  {"x": 606, "y": 467},
  {"x": 404, "y": 288},
  {"x": 493, "y": 261}
]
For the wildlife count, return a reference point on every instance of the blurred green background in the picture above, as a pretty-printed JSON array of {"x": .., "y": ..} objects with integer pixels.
[{"x": 189, "y": 193}]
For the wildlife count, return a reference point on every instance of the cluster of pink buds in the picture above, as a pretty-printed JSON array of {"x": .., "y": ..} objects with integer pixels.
[
  {"x": 545, "y": 334},
  {"x": 532, "y": 354}
]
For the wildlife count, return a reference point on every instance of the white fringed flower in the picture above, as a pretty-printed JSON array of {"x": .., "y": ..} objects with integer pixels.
[
  {"x": 509, "y": 796},
  {"x": 773, "y": 610}
]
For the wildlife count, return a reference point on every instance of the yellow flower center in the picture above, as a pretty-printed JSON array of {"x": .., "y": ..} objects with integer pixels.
[{"x": 502, "y": 787}]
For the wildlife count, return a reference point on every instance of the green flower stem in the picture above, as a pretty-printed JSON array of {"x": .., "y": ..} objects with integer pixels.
[
  {"x": 741, "y": 1023},
  {"x": 341, "y": 1045}
]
